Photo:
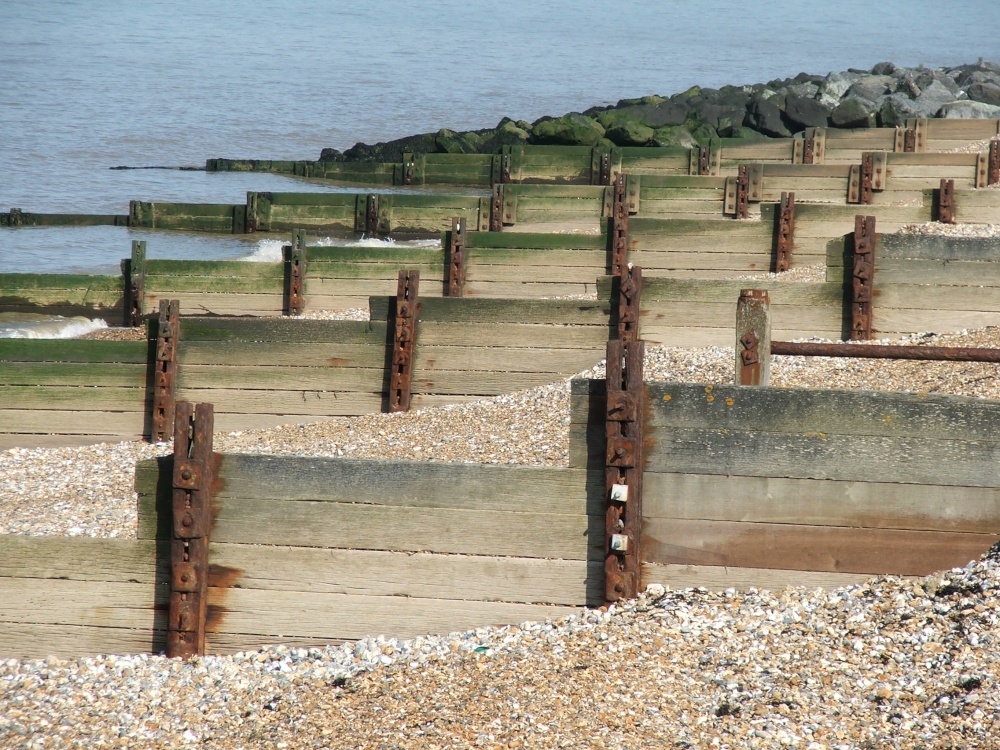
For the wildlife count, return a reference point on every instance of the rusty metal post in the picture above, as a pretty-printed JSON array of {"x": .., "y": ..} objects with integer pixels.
[
  {"x": 505, "y": 167},
  {"x": 946, "y": 202},
  {"x": 784, "y": 236},
  {"x": 753, "y": 337},
  {"x": 909, "y": 140},
  {"x": 629, "y": 299},
  {"x": 165, "y": 370},
  {"x": 294, "y": 257},
  {"x": 624, "y": 466},
  {"x": 618, "y": 234},
  {"x": 994, "y": 163},
  {"x": 193, "y": 475},
  {"x": 496, "y": 209},
  {"x": 867, "y": 175},
  {"x": 743, "y": 192},
  {"x": 863, "y": 277},
  {"x": 456, "y": 257},
  {"x": 704, "y": 160},
  {"x": 134, "y": 278},
  {"x": 371, "y": 215},
  {"x": 404, "y": 340}
]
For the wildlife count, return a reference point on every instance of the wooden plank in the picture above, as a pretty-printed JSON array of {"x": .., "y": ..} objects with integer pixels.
[
  {"x": 802, "y": 547},
  {"x": 100, "y": 604},
  {"x": 535, "y": 241},
  {"x": 417, "y": 575},
  {"x": 79, "y": 559},
  {"x": 276, "y": 615},
  {"x": 39, "y": 641},
  {"x": 461, "y": 310},
  {"x": 451, "y": 486},
  {"x": 77, "y": 398},
  {"x": 273, "y": 376},
  {"x": 281, "y": 330},
  {"x": 720, "y": 578},
  {"x": 948, "y": 275},
  {"x": 114, "y": 426},
  {"x": 288, "y": 404},
  {"x": 932, "y": 297},
  {"x": 72, "y": 350},
  {"x": 521, "y": 335},
  {"x": 311, "y": 354},
  {"x": 72, "y": 374},
  {"x": 820, "y": 502},
  {"x": 936, "y": 247}
]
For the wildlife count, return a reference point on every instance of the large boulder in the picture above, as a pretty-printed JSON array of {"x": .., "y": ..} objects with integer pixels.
[
  {"x": 629, "y": 133},
  {"x": 988, "y": 93},
  {"x": 969, "y": 110},
  {"x": 896, "y": 109},
  {"x": 673, "y": 135},
  {"x": 873, "y": 87},
  {"x": 573, "y": 129},
  {"x": 392, "y": 151},
  {"x": 652, "y": 115},
  {"x": 764, "y": 116},
  {"x": 854, "y": 112},
  {"x": 801, "y": 112},
  {"x": 835, "y": 85},
  {"x": 932, "y": 97},
  {"x": 506, "y": 133}
]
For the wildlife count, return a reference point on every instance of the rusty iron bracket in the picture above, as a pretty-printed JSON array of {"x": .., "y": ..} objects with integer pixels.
[
  {"x": 404, "y": 340},
  {"x": 294, "y": 257},
  {"x": 604, "y": 170},
  {"x": 743, "y": 192},
  {"x": 371, "y": 215},
  {"x": 496, "y": 208},
  {"x": 905, "y": 140},
  {"x": 165, "y": 370},
  {"x": 134, "y": 277},
  {"x": 946, "y": 202},
  {"x": 701, "y": 160},
  {"x": 505, "y": 168},
  {"x": 456, "y": 258},
  {"x": 993, "y": 176},
  {"x": 193, "y": 477},
  {"x": 629, "y": 300},
  {"x": 784, "y": 243},
  {"x": 618, "y": 234},
  {"x": 866, "y": 177},
  {"x": 863, "y": 277},
  {"x": 624, "y": 467}
]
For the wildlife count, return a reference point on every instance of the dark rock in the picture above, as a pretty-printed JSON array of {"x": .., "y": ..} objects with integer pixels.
[
  {"x": 854, "y": 112},
  {"x": 665, "y": 112},
  {"x": 330, "y": 154},
  {"x": 392, "y": 151},
  {"x": 932, "y": 97},
  {"x": 978, "y": 74},
  {"x": 573, "y": 129},
  {"x": 805, "y": 113},
  {"x": 673, "y": 135},
  {"x": 883, "y": 69},
  {"x": 764, "y": 116},
  {"x": 808, "y": 78},
  {"x": 630, "y": 133},
  {"x": 988, "y": 93},
  {"x": 507, "y": 133},
  {"x": 449, "y": 142},
  {"x": 895, "y": 110}
]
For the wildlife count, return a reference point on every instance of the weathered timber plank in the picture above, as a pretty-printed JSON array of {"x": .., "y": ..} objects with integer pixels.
[
  {"x": 281, "y": 330},
  {"x": 487, "y": 241},
  {"x": 277, "y": 376},
  {"x": 936, "y": 247},
  {"x": 519, "y": 335},
  {"x": 893, "y": 321},
  {"x": 71, "y": 374},
  {"x": 310, "y": 354},
  {"x": 930, "y": 297},
  {"x": 103, "y": 604},
  {"x": 210, "y": 303},
  {"x": 277, "y": 614},
  {"x": 72, "y": 350},
  {"x": 801, "y": 547},
  {"x": 391, "y": 483},
  {"x": 352, "y": 526},
  {"x": 945, "y": 274},
  {"x": 79, "y": 559},
  {"x": 461, "y": 310},
  {"x": 77, "y": 398},
  {"x": 39, "y": 641},
  {"x": 418, "y": 575},
  {"x": 115, "y": 425},
  {"x": 820, "y": 502},
  {"x": 289, "y": 403},
  {"x": 719, "y": 578}
]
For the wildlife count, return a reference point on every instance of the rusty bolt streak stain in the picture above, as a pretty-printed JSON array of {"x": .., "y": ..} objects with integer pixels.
[{"x": 729, "y": 401}]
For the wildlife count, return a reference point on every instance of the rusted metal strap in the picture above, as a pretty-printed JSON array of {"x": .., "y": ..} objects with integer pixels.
[
  {"x": 629, "y": 300},
  {"x": 134, "y": 277},
  {"x": 604, "y": 174},
  {"x": 753, "y": 337},
  {"x": 618, "y": 235},
  {"x": 193, "y": 476},
  {"x": 371, "y": 215},
  {"x": 863, "y": 277},
  {"x": 946, "y": 202},
  {"x": 743, "y": 192},
  {"x": 456, "y": 258},
  {"x": 165, "y": 370},
  {"x": 701, "y": 160},
  {"x": 624, "y": 466},
  {"x": 994, "y": 163},
  {"x": 505, "y": 167},
  {"x": 885, "y": 351},
  {"x": 909, "y": 140},
  {"x": 784, "y": 236},
  {"x": 867, "y": 175},
  {"x": 404, "y": 340},
  {"x": 295, "y": 273},
  {"x": 496, "y": 209}
]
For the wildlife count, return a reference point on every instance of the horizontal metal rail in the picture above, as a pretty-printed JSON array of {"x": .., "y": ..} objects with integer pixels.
[{"x": 883, "y": 351}]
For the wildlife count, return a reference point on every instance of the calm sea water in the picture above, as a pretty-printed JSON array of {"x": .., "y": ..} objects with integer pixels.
[{"x": 88, "y": 85}]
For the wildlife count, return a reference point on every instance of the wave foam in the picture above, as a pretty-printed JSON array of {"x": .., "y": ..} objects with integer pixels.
[
  {"x": 48, "y": 327},
  {"x": 266, "y": 251}
]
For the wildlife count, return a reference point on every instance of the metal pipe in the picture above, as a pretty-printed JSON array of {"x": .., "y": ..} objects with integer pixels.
[{"x": 882, "y": 351}]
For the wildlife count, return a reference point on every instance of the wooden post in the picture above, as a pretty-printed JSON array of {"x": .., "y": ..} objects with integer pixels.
[
  {"x": 624, "y": 467},
  {"x": 134, "y": 278},
  {"x": 165, "y": 370},
  {"x": 294, "y": 257},
  {"x": 946, "y": 202},
  {"x": 456, "y": 257},
  {"x": 863, "y": 277},
  {"x": 193, "y": 476},
  {"x": 784, "y": 235},
  {"x": 753, "y": 337},
  {"x": 404, "y": 340}
]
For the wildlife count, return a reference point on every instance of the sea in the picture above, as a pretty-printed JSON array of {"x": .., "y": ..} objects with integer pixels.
[{"x": 88, "y": 85}]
